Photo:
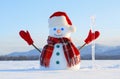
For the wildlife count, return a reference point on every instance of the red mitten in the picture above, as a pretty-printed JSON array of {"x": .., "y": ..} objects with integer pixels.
[
  {"x": 92, "y": 36},
  {"x": 26, "y": 36}
]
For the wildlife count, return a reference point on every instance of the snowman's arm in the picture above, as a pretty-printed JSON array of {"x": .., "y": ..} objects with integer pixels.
[
  {"x": 26, "y": 36},
  {"x": 36, "y": 48},
  {"x": 82, "y": 46},
  {"x": 91, "y": 36},
  {"x": 87, "y": 40}
]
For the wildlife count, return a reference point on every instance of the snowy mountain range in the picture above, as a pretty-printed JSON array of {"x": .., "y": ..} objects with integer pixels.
[{"x": 101, "y": 52}]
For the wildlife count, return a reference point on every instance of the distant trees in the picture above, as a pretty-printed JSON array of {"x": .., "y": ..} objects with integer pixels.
[
  {"x": 19, "y": 57},
  {"x": 36, "y": 57}
]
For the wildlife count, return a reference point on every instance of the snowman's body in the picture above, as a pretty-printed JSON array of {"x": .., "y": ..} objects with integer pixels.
[
  {"x": 59, "y": 29},
  {"x": 58, "y": 60}
]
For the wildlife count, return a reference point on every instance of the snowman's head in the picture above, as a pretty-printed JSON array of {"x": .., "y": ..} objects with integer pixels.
[
  {"x": 59, "y": 32},
  {"x": 60, "y": 25}
]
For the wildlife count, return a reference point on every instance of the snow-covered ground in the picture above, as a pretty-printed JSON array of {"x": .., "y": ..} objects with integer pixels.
[{"x": 104, "y": 69}]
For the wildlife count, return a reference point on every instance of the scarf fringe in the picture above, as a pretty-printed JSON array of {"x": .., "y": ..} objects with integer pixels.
[{"x": 74, "y": 61}]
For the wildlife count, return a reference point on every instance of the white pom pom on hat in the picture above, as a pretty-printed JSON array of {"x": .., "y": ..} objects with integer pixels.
[{"x": 59, "y": 19}]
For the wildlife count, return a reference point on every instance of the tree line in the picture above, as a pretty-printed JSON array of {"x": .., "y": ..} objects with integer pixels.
[
  {"x": 5, "y": 58},
  {"x": 19, "y": 58}
]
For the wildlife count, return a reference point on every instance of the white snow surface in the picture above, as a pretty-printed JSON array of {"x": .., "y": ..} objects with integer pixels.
[{"x": 104, "y": 69}]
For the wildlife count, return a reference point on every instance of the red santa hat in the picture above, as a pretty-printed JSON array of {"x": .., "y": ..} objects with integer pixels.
[{"x": 59, "y": 19}]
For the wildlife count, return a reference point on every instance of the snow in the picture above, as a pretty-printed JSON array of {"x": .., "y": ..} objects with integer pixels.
[{"x": 105, "y": 69}]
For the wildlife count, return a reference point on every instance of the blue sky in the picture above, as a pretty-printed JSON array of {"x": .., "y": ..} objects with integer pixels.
[{"x": 33, "y": 15}]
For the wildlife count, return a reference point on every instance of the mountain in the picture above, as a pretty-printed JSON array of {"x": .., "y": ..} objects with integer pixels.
[
  {"x": 101, "y": 52},
  {"x": 27, "y": 53},
  {"x": 112, "y": 53}
]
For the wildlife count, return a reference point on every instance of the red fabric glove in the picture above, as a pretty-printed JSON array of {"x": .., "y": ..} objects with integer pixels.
[
  {"x": 92, "y": 36},
  {"x": 26, "y": 36}
]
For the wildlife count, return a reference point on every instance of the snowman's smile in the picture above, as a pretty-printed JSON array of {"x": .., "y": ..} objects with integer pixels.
[{"x": 58, "y": 35}]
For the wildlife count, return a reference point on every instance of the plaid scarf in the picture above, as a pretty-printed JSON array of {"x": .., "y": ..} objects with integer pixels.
[{"x": 71, "y": 53}]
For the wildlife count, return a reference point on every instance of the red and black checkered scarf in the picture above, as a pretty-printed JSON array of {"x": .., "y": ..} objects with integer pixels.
[{"x": 71, "y": 53}]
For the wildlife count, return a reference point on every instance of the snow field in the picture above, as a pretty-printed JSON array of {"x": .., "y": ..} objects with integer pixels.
[{"x": 105, "y": 69}]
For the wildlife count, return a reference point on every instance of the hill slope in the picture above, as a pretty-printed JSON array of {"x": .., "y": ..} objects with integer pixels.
[{"x": 101, "y": 52}]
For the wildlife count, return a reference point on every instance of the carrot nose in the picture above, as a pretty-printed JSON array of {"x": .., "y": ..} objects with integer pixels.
[{"x": 58, "y": 31}]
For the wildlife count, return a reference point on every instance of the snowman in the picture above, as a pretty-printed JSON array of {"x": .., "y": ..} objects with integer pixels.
[{"x": 59, "y": 53}]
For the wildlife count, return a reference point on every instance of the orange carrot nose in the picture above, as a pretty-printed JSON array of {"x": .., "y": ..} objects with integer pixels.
[{"x": 58, "y": 31}]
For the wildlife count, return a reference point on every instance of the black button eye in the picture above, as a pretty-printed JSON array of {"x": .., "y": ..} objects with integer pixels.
[
  {"x": 62, "y": 28},
  {"x": 54, "y": 29}
]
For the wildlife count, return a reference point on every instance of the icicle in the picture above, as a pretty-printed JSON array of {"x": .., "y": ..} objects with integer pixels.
[{"x": 93, "y": 42}]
